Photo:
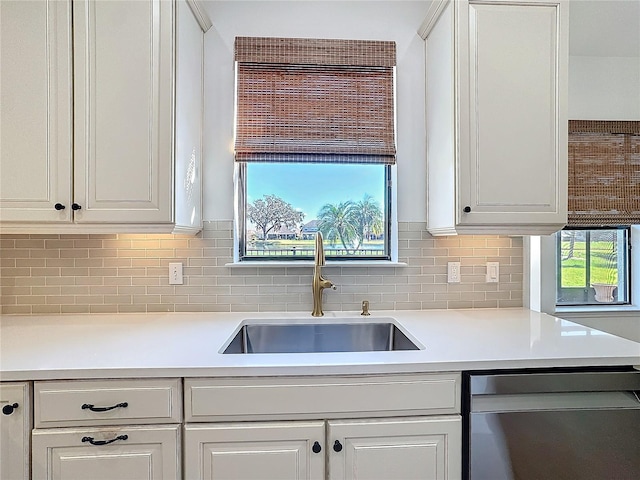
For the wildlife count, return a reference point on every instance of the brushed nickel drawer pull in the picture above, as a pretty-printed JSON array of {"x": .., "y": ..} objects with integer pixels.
[
  {"x": 104, "y": 442},
  {"x": 93, "y": 408}
]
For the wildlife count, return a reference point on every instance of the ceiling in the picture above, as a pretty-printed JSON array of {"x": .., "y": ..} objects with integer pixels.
[{"x": 604, "y": 28}]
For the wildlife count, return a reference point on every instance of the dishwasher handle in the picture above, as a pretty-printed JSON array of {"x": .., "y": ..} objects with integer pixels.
[{"x": 555, "y": 401}]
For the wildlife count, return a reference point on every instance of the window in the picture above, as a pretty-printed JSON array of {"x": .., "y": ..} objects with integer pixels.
[
  {"x": 593, "y": 254},
  {"x": 314, "y": 148},
  {"x": 593, "y": 266},
  {"x": 287, "y": 203}
]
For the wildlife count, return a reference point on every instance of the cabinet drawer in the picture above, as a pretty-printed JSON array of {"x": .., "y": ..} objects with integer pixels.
[
  {"x": 320, "y": 397},
  {"x": 107, "y": 402}
]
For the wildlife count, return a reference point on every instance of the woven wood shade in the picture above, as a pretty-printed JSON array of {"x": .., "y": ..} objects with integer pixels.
[
  {"x": 308, "y": 100},
  {"x": 604, "y": 173}
]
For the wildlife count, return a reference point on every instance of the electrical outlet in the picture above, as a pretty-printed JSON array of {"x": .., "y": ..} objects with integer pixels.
[
  {"x": 175, "y": 274},
  {"x": 493, "y": 272},
  {"x": 453, "y": 272}
]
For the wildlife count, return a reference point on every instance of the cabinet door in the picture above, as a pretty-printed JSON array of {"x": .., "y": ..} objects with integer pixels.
[
  {"x": 15, "y": 431},
  {"x": 35, "y": 111},
  {"x": 415, "y": 448},
  {"x": 255, "y": 451},
  {"x": 513, "y": 117},
  {"x": 123, "y": 84},
  {"x": 129, "y": 453},
  {"x": 188, "y": 119}
]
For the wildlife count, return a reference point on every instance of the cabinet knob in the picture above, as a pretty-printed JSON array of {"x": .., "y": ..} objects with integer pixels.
[
  {"x": 337, "y": 446},
  {"x": 59, "y": 206},
  {"x": 75, "y": 206},
  {"x": 316, "y": 447},
  {"x": 8, "y": 409},
  {"x": 466, "y": 209}
]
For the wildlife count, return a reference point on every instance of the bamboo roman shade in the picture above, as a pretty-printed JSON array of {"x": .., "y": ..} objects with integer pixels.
[
  {"x": 315, "y": 100},
  {"x": 604, "y": 173}
]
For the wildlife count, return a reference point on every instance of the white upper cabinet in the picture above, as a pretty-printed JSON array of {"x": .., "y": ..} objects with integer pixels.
[
  {"x": 35, "y": 111},
  {"x": 496, "y": 116},
  {"x": 123, "y": 69},
  {"x": 135, "y": 159}
]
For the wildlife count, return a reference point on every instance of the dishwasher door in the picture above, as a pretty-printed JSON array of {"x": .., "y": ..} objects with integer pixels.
[{"x": 573, "y": 426}]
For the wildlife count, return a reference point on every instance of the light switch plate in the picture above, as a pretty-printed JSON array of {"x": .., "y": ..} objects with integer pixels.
[
  {"x": 175, "y": 273},
  {"x": 493, "y": 272}
]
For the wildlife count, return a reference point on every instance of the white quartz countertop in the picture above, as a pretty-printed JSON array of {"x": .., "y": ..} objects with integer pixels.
[{"x": 189, "y": 345}]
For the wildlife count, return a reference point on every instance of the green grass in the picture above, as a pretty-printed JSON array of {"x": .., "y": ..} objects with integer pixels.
[{"x": 603, "y": 264}]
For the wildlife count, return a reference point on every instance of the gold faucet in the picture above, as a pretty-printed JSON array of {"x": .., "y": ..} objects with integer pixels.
[{"x": 319, "y": 282}]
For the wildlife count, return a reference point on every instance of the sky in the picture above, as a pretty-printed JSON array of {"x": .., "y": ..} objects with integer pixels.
[{"x": 308, "y": 187}]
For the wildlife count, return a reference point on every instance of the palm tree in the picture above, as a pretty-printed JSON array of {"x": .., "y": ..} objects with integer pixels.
[
  {"x": 369, "y": 219},
  {"x": 339, "y": 222}
]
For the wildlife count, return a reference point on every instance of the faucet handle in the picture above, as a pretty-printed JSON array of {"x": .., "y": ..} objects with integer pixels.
[{"x": 365, "y": 308}]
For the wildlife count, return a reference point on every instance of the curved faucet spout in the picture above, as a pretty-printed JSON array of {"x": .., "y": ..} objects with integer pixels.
[
  {"x": 319, "y": 252},
  {"x": 319, "y": 282}
]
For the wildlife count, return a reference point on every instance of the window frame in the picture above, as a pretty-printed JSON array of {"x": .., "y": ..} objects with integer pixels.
[
  {"x": 240, "y": 222},
  {"x": 627, "y": 269}
]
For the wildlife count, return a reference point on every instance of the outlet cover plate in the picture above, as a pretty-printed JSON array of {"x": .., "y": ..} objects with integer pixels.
[{"x": 453, "y": 272}]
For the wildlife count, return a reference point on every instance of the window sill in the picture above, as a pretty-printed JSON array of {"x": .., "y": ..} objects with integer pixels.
[
  {"x": 597, "y": 311},
  {"x": 309, "y": 263}
]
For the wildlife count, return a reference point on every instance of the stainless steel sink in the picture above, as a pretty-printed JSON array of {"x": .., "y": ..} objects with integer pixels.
[{"x": 319, "y": 337}]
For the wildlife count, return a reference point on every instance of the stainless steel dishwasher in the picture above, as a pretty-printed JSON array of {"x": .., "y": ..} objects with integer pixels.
[{"x": 552, "y": 425}]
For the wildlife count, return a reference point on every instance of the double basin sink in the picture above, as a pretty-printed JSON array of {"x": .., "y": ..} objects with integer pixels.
[{"x": 300, "y": 336}]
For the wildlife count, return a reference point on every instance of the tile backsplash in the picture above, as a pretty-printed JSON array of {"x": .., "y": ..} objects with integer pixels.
[{"x": 53, "y": 274}]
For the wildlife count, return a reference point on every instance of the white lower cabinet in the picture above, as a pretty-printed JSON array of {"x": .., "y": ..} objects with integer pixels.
[
  {"x": 15, "y": 430},
  {"x": 107, "y": 429},
  {"x": 418, "y": 448},
  {"x": 108, "y": 453},
  {"x": 364, "y": 427},
  {"x": 255, "y": 450},
  {"x": 414, "y": 448},
  {"x": 337, "y": 427}
]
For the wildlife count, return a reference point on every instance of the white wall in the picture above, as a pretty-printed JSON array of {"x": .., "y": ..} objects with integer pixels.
[
  {"x": 604, "y": 62},
  {"x": 364, "y": 20},
  {"x": 600, "y": 87},
  {"x": 604, "y": 88}
]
